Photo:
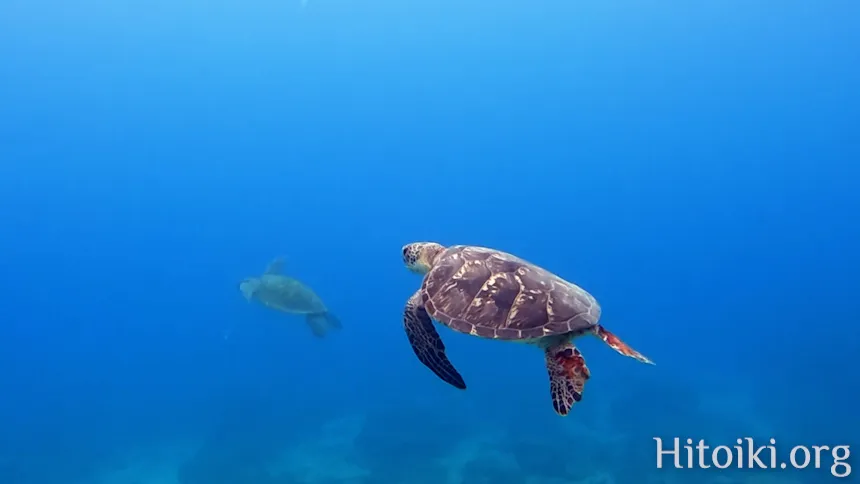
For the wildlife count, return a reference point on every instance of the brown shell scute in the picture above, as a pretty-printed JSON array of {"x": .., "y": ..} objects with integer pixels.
[{"x": 497, "y": 295}]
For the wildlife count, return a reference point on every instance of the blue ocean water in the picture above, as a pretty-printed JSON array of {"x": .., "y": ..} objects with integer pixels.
[{"x": 693, "y": 165}]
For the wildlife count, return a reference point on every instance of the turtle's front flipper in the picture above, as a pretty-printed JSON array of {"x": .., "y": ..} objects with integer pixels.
[
  {"x": 567, "y": 376},
  {"x": 427, "y": 344},
  {"x": 276, "y": 266},
  {"x": 615, "y": 343}
]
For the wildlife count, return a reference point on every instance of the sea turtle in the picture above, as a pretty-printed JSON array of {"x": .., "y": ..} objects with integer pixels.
[
  {"x": 492, "y": 294},
  {"x": 277, "y": 291}
]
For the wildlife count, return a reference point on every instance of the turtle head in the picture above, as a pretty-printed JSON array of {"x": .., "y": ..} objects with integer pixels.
[
  {"x": 420, "y": 257},
  {"x": 249, "y": 286}
]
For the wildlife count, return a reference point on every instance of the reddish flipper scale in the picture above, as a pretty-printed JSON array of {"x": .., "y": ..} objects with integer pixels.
[{"x": 567, "y": 375}]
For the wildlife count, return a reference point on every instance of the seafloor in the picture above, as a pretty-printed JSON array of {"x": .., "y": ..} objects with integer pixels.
[{"x": 602, "y": 444}]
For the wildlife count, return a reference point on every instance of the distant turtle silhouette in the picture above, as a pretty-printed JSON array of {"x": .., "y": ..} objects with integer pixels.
[
  {"x": 286, "y": 294},
  {"x": 492, "y": 294}
]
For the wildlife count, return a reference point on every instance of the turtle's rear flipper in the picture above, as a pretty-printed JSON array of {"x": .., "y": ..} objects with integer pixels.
[
  {"x": 427, "y": 344},
  {"x": 567, "y": 376},
  {"x": 616, "y": 344},
  {"x": 321, "y": 323},
  {"x": 333, "y": 321}
]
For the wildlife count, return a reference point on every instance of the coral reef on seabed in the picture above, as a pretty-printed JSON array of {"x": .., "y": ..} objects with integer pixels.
[{"x": 608, "y": 442}]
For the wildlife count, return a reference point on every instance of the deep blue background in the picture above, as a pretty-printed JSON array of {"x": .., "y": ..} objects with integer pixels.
[{"x": 694, "y": 165}]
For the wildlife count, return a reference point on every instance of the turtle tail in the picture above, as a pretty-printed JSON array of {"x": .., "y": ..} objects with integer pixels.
[
  {"x": 322, "y": 323},
  {"x": 616, "y": 344}
]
